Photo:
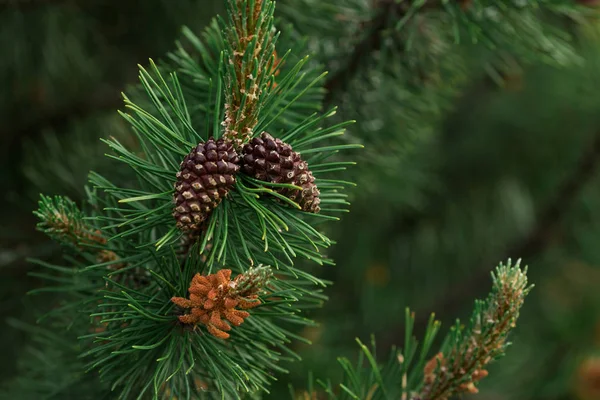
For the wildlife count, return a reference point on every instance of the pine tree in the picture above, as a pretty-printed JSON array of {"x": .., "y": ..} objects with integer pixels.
[{"x": 160, "y": 307}]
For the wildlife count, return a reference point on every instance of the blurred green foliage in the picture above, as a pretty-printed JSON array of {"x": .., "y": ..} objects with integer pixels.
[{"x": 458, "y": 173}]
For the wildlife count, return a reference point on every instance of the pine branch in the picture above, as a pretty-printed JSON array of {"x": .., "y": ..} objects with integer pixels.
[
  {"x": 142, "y": 340},
  {"x": 371, "y": 43},
  {"x": 465, "y": 22},
  {"x": 387, "y": 11},
  {"x": 458, "y": 368},
  {"x": 251, "y": 63},
  {"x": 63, "y": 221}
]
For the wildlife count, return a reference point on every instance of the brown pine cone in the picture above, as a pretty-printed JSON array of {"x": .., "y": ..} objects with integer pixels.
[
  {"x": 205, "y": 177},
  {"x": 272, "y": 160}
]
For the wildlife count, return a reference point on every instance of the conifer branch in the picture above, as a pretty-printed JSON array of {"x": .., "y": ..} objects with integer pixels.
[
  {"x": 387, "y": 11},
  {"x": 250, "y": 57},
  {"x": 145, "y": 330},
  {"x": 456, "y": 368},
  {"x": 144, "y": 341},
  {"x": 63, "y": 221},
  {"x": 390, "y": 15},
  {"x": 372, "y": 42},
  {"x": 459, "y": 368}
]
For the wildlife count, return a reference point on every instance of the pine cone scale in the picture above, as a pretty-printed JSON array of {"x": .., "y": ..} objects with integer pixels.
[
  {"x": 206, "y": 176},
  {"x": 271, "y": 160}
]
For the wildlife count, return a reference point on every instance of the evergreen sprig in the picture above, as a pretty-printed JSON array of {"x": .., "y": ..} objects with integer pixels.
[
  {"x": 467, "y": 351},
  {"x": 141, "y": 348},
  {"x": 412, "y": 373},
  {"x": 196, "y": 62},
  {"x": 250, "y": 64},
  {"x": 231, "y": 82},
  {"x": 134, "y": 337},
  {"x": 389, "y": 34},
  {"x": 259, "y": 221},
  {"x": 63, "y": 221}
]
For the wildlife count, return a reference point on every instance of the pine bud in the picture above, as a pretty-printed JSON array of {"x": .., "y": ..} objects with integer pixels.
[{"x": 251, "y": 282}]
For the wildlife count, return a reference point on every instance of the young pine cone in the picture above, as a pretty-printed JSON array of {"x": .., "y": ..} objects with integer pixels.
[
  {"x": 272, "y": 160},
  {"x": 206, "y": 175}
]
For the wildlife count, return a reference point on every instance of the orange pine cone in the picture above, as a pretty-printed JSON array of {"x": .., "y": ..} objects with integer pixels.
[{"x": 214, "y": 304}]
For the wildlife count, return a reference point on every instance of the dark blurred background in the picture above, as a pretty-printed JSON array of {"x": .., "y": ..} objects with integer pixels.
[{"x": 466, "y": 164}]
